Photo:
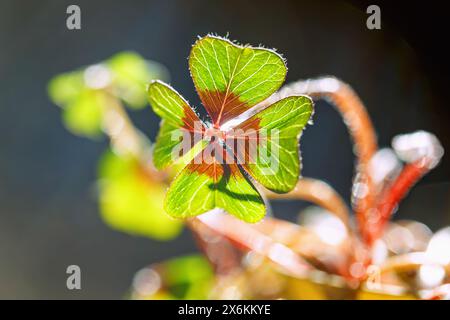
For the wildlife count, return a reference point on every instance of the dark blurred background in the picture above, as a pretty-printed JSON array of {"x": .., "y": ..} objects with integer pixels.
[{"x": 48, "y": 209}]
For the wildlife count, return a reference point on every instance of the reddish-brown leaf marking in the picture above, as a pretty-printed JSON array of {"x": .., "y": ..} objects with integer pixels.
[
  {"x": 222, "y": 106},
  {"x": 212, "y": 167}
]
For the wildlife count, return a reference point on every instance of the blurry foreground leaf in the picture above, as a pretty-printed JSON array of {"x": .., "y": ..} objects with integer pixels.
[
  {"x": 189, "y": 277},
  {"x": 66, "y": 87},
  {"x": 83, "y": 94},
  {"x": 131, "y": 202},
  {"x": 83, "y": 115},
  {"x": 131, "y": 75}
]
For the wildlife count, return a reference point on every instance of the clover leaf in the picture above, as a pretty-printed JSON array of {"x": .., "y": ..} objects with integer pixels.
[{"x": 229, "y": 153}]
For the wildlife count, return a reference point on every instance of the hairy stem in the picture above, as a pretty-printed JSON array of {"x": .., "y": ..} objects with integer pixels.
[
  {"x": 320, "y": 193},
  {"x": 391, "y": 197},
  {"x": 360, "y": 127},
  {"x": 248, "y": 238}
]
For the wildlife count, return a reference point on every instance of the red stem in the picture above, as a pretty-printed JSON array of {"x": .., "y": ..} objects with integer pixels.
[
  {"x": 246, "y": 237},
  {"x": 360, "y": 127},
  {"x": 391, "y": 197}
]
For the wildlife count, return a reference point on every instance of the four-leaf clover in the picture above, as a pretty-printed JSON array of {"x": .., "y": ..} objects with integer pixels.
[{"x": 230, "y": 79}]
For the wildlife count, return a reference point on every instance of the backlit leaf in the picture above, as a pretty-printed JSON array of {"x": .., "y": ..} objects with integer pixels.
[
  {"x": 178, "y": 119},
  {"x": 278, "y": 128},
  {"x": 170, "y": 105},
  {"x": 203, "y": 187},
  {"x": 230, "y": 78}
]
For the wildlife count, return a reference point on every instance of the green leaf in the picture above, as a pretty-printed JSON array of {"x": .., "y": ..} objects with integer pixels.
[
  {"x": 186, "y": 278},
  {"x": 201, "y": 187},
  {"x": 66, "y": 87},
  {"x": 83, "y": 114},
  {"x": 188, "y": 269},
  {"x": 179, "y": 121},
  {"x": 131, "y": 202},
  {"x": 193, "y": 274},
  {"x": 168, "y": 142},
  {"x": 170, "y": 106},
  {"x": 231, "y": 78},
  {"x": 278, "y": 127},
  {"x": 165, "y": 144},
  {"x": 131, "y": 74}
]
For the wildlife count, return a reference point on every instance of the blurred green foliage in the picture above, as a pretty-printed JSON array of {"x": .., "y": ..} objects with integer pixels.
[
  {"x": 83, "y": 115},
  {"x": 130, "y": 201},
  {"x": 188, "y": 278},
  {"x": 82, "y": 93},
  {"x": 132, "y": 74}
]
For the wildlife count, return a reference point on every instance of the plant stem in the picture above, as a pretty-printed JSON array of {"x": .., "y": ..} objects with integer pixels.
[
  {"x": 249, "y": 238},
  {"x": 410, "y": 174},
  {"x": 320, "y": 193},
  {"x": 360, "y": 127}
]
